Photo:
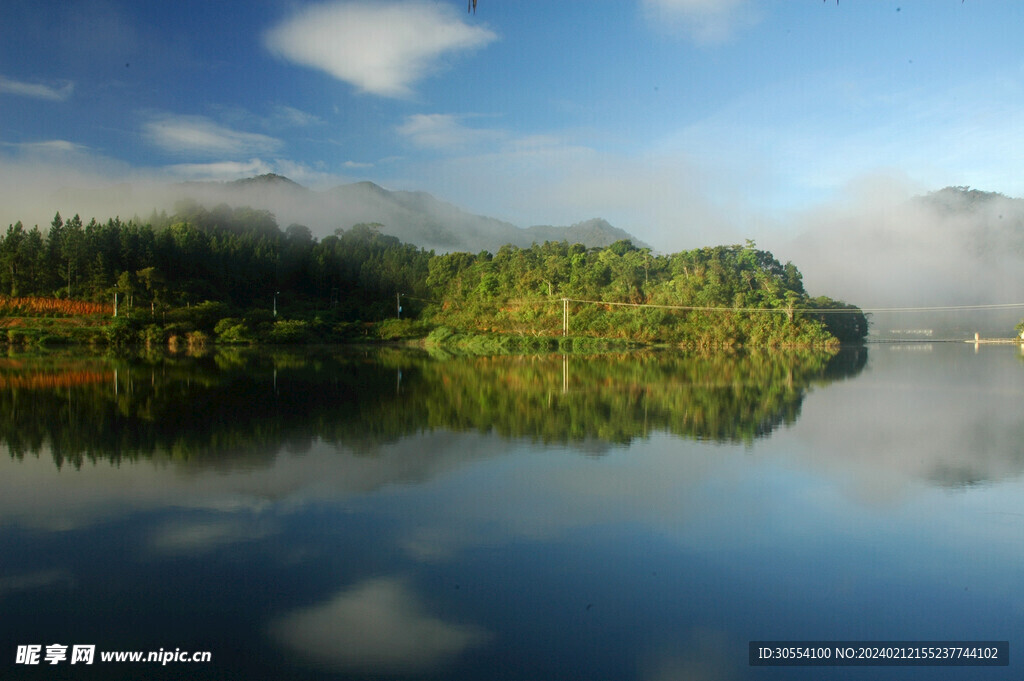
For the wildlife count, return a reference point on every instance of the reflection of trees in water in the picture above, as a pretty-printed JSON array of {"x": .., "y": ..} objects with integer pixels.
[
  {"x": 234, "y": 409},
  {"x": 616, "y": 398}
]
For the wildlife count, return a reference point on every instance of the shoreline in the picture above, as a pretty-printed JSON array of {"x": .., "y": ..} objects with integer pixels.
[{"x": 970, "y": 341}]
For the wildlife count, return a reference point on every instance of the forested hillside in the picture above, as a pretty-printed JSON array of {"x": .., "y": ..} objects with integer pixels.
[
  {"x": 725, "y": 295},
  {"x": 235, "y": 263}
]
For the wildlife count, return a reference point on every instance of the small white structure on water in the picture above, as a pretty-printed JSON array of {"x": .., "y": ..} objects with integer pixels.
[{"x": 911, "y": 332}]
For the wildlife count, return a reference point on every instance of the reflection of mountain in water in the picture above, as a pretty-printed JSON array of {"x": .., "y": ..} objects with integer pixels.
[{"x": 234, "y": 409}]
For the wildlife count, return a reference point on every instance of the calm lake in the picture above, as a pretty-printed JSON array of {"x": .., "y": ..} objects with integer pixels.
[{"x": 386, "y": 514}]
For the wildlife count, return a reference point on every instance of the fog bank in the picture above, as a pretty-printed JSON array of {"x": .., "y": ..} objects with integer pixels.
[{"x": 883, "y": 246}]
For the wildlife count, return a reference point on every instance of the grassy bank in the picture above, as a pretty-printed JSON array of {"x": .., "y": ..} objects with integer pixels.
[{"x": 43, "y": 323}]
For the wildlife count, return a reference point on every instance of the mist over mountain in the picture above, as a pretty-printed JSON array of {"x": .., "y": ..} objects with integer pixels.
[
  {"x": 880, "y": 245},
  {"x": 414, "y": 217},
  {"x": 953, "y": 247}
]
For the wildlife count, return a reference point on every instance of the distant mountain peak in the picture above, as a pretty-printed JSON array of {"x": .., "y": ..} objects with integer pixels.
[
  {"x": 366, "y": 184},
  {"x": 265, "y": 179},
  {"x": 592, "y": 232},
  {"x": 960, "y": 198}
]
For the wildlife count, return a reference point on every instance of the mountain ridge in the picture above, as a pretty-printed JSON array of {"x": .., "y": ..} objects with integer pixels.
[{"x": 416, "y": 217}]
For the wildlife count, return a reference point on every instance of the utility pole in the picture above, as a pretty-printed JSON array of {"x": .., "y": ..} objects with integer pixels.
[
  {"x": 565, "y": 316},
  {"x": 398, "y": 304}
]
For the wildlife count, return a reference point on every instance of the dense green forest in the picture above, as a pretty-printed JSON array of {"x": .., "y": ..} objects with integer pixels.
[{"x": 232, "y": 275}]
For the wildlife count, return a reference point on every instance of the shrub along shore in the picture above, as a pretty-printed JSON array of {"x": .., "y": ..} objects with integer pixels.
[{"x": 199, "y": 328}]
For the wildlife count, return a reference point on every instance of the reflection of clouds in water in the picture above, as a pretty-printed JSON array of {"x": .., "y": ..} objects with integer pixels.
[
  {"x": 34, "y": 493},
  {"x": 189, "y": 537},
  {"x": 377, "y": 626},
  {"x": 514, "y": 490},
  {"x": 431, "y": 543},
  {"x": 943, "y": 418},
  {"x": 41, "y": 579},
  {"x": 705, "y": 655},
  {"x": 661, "y": 482}
]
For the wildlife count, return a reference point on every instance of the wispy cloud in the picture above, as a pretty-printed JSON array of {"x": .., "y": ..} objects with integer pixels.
[
  {"x": 380, "y": 48},
  {"x": 37, "y": 90},
  {"x": 220, "y": 170},
  {"x": 706, "y": 21},
  {"x": 201, "y": 136},
  {"x": 46, "y": 147},
  {"x": 224, "y": 170},
  {"x": 445, "y": 132},
  {"x": 292, "y": 117}
]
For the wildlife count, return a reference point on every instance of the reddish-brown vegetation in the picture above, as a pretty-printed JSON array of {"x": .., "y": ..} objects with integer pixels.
[{"x": 53, "y": 306}]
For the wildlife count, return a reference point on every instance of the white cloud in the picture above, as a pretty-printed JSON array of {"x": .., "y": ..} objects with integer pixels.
[
  {"x": 221, "y": 170},
  {"x": 445, "y": 132},
  {"x": 37, "y": 90},
  {"x": 381, "y": 48},
  {"x": 277, "y": 117},
  {"x": 51, "y": 148},
  {"x": 309, "y": 176},
  {"x": 707, "y": 21},
  {"x": 199, "y": 135},
  {"x": 377, "y": 626},
  {"x": 292, "y": 117}
]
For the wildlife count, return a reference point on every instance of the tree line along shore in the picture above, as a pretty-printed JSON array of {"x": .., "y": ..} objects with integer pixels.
[{"x": 233, "y": 276}]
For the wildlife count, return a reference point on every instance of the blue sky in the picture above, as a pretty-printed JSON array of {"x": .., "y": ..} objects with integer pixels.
[{"x": 683, "y": 121}]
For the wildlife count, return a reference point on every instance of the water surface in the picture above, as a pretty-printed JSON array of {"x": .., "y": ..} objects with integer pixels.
[{"x": 393, "y": 515}]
